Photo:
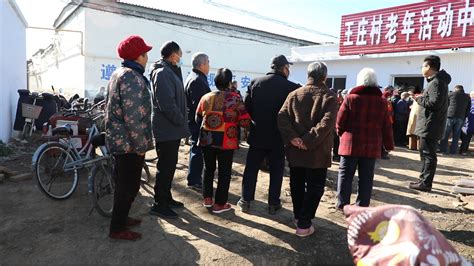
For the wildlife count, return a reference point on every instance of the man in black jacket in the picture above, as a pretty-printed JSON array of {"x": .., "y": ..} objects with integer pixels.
[
  {"x": 263, "y": 101},
  {"x": 196, "y": 86},
  {"x": 169, "y": 125},
  {"x": 431, "y": 120},
  {"x": 459, "y": 106}
]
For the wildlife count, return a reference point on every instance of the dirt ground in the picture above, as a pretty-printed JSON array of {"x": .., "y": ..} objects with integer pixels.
[{"x": 37, "y": 230}]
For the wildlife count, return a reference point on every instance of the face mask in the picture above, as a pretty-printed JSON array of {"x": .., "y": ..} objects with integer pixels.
[{"x": 179, "y": 63}]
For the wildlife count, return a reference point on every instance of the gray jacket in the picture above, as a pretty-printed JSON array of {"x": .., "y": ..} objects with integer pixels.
[
  {"x": 433, "y": 107},
  {"x": 169, "y": 103}
]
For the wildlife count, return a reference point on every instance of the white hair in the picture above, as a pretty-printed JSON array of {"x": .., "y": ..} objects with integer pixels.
[{"x": 366, "y": 77}]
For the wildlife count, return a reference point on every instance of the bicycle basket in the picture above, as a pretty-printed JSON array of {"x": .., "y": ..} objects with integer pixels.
[{"x": 30, "y": 110}]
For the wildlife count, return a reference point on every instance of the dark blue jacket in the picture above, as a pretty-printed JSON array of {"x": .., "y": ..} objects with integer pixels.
[
  {"x": 195, "y": 87},
  {"x": 263, "y": 101},
  {"x": 169, "y": 103}
]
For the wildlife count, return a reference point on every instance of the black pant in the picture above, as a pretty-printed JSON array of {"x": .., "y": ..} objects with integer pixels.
[
  {"x": 465, "y": 141},
  {"x": 224, "y": 171},
  {"x": 400, "y": 132},
  {"x": 127, "y": 174},
  {"x": 255, "y": 158},
  {"x": 307, "y": 188},
  {"x": 166, "y": 166},
  {"x": 429, "y": 160}
]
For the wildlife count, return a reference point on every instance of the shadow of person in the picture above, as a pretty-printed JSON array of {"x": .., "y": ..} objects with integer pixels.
[
  {"x": 462, "y": 236},
  {"x": 393, "y": 198}
]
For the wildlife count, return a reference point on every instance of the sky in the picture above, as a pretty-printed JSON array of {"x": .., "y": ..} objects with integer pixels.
[{"x": 316, "y": 15}]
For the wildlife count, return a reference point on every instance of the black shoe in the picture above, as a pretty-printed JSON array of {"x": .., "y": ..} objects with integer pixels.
[
  {"x": 272, "y": 209},
  {"x": 420, "y": 186},
  {"x": 385, "y": 157},
  {"x": 175, "y": 204},
  {"x": 163, "y": 212},
  {"x": 415, "y": 182},
  {"x": 244, "y": 205},
  {"x": 197, "y": 187}
]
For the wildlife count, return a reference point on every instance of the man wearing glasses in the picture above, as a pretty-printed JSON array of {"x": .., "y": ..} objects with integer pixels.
[{"x": 431, "y": 120}]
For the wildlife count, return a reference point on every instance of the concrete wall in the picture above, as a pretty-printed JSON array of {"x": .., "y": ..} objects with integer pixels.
[
  {"x": 12, "y": 66},
  {"x": 459, "y": 65},
  {"x": 103, "y": 31}
]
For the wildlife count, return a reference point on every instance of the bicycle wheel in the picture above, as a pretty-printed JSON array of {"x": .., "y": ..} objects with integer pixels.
[
  {"x": 103, "y": 187},
  {"x": 56, "y": 179}
]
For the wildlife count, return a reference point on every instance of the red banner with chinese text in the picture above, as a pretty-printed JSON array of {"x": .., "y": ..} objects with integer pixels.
[{"x": 415, "y": 27}]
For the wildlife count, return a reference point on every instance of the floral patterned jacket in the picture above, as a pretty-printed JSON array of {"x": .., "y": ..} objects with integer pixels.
[
  {"x": 220, "y": 114},
  {"x": 128, "y": 112}
]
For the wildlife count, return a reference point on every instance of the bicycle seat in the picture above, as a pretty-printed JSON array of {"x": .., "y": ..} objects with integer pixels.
[
  {"x": 62, "y": 131},
  {"x": 98, "y": 140}
]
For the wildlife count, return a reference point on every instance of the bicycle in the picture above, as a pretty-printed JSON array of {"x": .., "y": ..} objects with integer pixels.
[
  {"x": 58, "y": 161},
  {"x": 30, "y": 112}
]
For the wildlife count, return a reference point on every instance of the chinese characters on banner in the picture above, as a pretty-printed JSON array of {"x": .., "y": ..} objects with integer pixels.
[
  {"x": 422, "y": 26},
  {"x": 243, "y": 81}
]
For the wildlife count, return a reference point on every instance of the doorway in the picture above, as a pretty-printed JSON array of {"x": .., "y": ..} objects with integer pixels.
[{"x": 411, "y": 81}]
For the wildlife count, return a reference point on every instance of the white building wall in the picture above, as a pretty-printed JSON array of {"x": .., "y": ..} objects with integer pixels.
[
  {"x": 246, "y": 58},
  {"x": 12, "y": 66},
  {"x": 460, "y": 65}
]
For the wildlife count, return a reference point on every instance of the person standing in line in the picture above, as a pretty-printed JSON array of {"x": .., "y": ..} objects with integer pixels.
[
  {"x": 220, "y": 113},
  {"x": 431, "y": 121},
  {"x": 128, "y": 131},
  {"x": 468, "y": 130},
  {"x": 412, "y": 138},
  {"x": 263, "y": 101},
  {"x": 196, "y": 86},
  {"x": 459, "y": 105},
  {"x": 306, "y": 122},
  {"x": 364, "y": 125},
  {"x": 169, "y": 125}
]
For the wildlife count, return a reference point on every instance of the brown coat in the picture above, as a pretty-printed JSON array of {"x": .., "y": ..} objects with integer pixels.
[{"x": 310, "y": 114}]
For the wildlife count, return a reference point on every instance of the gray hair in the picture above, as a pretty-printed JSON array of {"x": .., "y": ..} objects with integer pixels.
[
  {"x": 366, "y": 77},
  {"x": 199, "y": 59},
  {"x": 318, "y": 71}
]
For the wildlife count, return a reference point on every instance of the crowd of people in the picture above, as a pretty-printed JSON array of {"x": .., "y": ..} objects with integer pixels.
[{"x": 284, "y": 120}]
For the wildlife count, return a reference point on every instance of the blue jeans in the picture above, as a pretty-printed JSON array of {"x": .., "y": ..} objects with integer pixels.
[
  {"x": 453, "y": 126},
  {"x": 196, "y": 163},
  {"x": 347, "y": 168}
]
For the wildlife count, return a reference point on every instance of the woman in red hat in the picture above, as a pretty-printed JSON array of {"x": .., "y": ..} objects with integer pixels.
[{"x": 128, "y": 131}]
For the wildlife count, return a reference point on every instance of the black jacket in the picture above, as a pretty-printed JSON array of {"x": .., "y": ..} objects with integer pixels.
[
  {"x": 195, "y": 87},
  {"x": 169, "y": 103},
  {"x": 459, "y": 104},
  {"x": 263, "y": 101},
  {"x": 433, "y": 107}
]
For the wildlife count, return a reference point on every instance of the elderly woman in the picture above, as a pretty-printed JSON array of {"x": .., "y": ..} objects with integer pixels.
[
  {"x": 220, "y": 113},
  {"x": 363, "y": 124},
  {"x": 128, "y": 131},
  {"x": 306, "y": 122}
]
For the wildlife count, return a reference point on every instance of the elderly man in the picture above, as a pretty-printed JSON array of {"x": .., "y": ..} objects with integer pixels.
[
  {"x": 306, "y": 122},
  {"x": 196, "y": 86},
  {"x": 459, "y": 105},
  {"x": 169, "y": 125},
  {"x": 264, "y": 98},
  {"x": 431, "y": 120}
]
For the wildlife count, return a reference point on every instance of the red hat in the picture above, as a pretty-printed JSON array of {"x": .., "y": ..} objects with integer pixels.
[{"x": 132, "y": 47}]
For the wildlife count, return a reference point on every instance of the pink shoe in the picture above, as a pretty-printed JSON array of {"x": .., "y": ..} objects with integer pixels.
[
  {"x": 219, "y": 208},
  {"x": 304, "y": 232},
  {"x": 207, "y": 202}
]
